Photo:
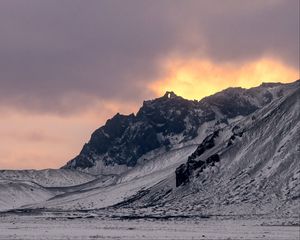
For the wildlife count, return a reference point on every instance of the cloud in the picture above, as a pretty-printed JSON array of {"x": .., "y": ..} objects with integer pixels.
[
  {"x": 195, "y": 79},
  {"x": 65, "y": 56}
]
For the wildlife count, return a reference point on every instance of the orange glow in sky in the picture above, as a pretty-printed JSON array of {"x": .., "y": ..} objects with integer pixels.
[
  {"x": 195, "y": 79},
  {"x": 37, "y": 141}
]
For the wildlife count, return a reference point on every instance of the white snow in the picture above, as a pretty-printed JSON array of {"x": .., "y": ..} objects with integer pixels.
[
  {"x": 60, "y": 227},
  {"x": 14, "y": 194},
  {"x": 48, "y": 177}
]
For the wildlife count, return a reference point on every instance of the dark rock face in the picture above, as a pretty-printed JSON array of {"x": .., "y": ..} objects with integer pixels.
[
  {"x": 123, "y": 139},
  {"x": 213, "y": 159},
  {"x": 233, "y": 102},
  {"x": 171, "y": 115},
  {"x": 237, "y": 132},
  {"x": 184, "y": 171},
  {"x": 208, "y": 143},
  {"x": 163, "y": 122},
  {"x": 182, "y": 175}
]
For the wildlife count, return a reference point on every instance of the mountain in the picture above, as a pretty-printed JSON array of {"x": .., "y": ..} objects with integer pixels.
[
  {"x": 165, "y": 123},
  {"x": 224, "y": 168},
  {"x": 248, "y": 167},
  {"x": 236, "y": 152}
]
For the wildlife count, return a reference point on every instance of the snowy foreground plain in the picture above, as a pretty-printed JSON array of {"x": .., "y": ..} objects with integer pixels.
[{"x": 88, "y": 226}]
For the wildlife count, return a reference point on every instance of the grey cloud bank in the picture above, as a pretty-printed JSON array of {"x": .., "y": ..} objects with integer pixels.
[{"x": 51, "y": 51}]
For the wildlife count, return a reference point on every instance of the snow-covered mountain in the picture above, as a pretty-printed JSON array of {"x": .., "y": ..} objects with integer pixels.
[
  {"x": 251, "y": 166},
  {"x": 235, "y": 152},
  {"x": 166, "y": 122}
]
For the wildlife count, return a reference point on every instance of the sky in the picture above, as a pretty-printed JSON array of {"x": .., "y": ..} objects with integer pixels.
[{"x": 66, "y": 66}]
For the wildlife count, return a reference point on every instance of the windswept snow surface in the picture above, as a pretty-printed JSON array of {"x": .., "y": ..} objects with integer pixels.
[
  {"x": 48, "y": 177},
  {"x": 14, "y": 194},
  {"x": 70, "y": 226},
  {"x": 20, "y": 188}
]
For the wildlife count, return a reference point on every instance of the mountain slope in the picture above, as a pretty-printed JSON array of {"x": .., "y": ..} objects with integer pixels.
[{"x": 249, "y": 167}]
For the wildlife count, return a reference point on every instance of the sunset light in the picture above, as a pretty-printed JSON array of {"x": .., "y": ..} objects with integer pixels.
[
  {"x": 140, "y": 119},
  {"x": 197, "y": 78}
]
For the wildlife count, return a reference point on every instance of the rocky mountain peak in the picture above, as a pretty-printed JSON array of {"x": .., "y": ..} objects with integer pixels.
[
  {"x": 165, "y": 122},
  {"x": 170, "y": 94}
]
